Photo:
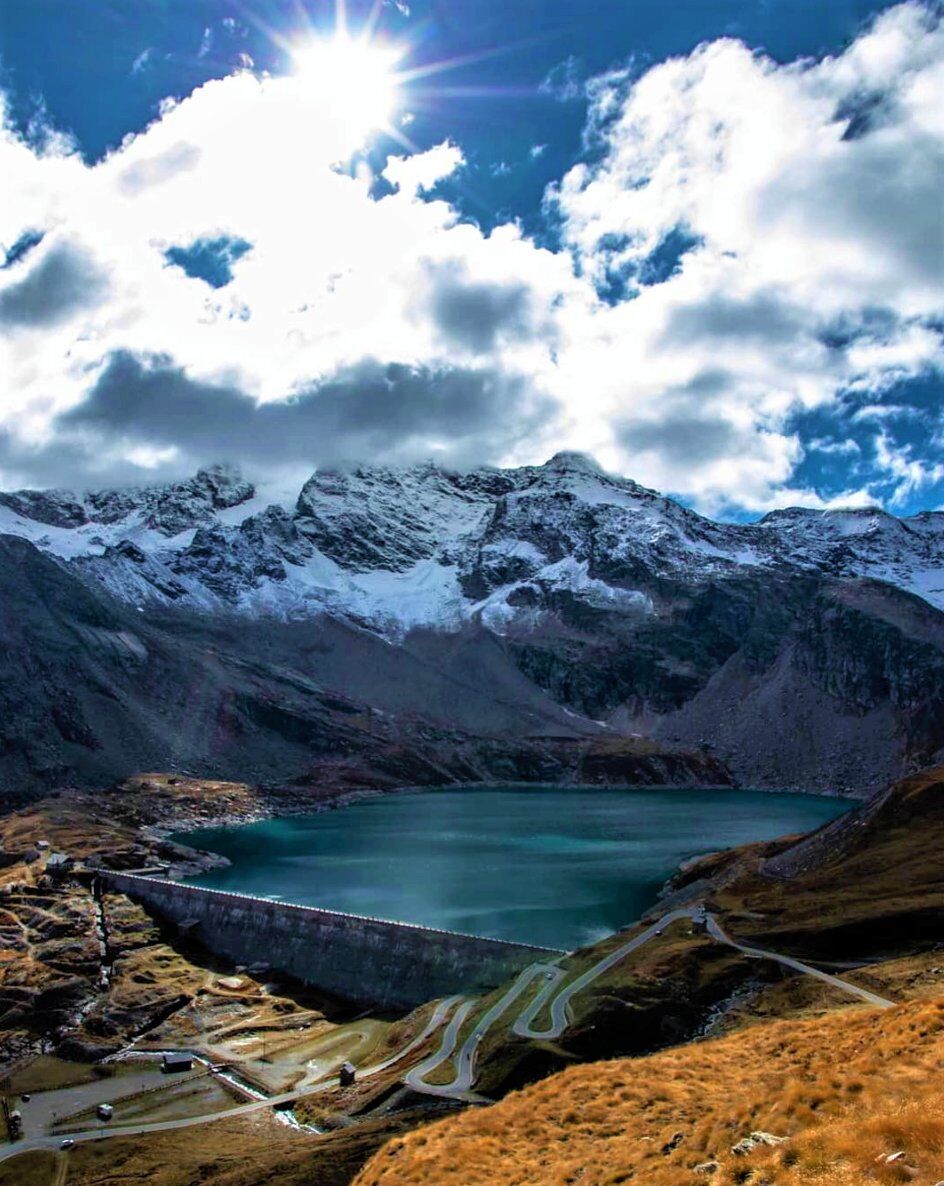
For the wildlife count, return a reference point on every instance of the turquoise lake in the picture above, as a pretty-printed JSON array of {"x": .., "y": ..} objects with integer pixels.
[{"x": 554, "y": 866}]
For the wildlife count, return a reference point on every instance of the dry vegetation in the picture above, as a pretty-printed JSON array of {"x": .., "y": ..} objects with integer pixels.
[
  {"x": 845, "y": 1090},
  {"x": 252, "y": 1150},
  {"x": 870, "y": 890}
]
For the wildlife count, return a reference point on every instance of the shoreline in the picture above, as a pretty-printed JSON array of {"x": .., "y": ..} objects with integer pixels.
[{"x": 162, "y": 830}]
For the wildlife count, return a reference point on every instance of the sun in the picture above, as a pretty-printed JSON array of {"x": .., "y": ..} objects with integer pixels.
[{"x": 352, "y": 78}]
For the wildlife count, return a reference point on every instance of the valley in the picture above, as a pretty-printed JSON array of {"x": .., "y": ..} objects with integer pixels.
[
  {"x": 471, "y": 593},
  {"x": 800, "y": 932}
]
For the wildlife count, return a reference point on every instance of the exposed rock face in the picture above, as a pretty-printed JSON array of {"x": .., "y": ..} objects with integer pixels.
[
  {"x": 803, "y": 650},
  {"x": 167, "y": 509}
]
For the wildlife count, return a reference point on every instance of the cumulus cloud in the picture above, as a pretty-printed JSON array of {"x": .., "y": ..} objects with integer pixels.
[
  {"x": 313, "y": 325},
  {"x": 810, "y": 196},
  {"x": 745, "y": 242},
  {"x": 148, "y": 411}
]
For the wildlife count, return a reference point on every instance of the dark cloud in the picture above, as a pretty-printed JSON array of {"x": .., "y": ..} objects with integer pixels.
[
  {"x": 368, "y": 412},
  {"x": 476, "y": 316},
  {"x": 689, "y": 431},
  {"x": 863, "y": 112},
  {"x": 681, "y": 437},
  {"x": 762, "y": 318},
  {"x": 64, "y": 280}
]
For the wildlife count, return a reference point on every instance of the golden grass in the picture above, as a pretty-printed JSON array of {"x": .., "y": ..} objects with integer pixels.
[
  {"x": 844, "y": 1089},
  {"x": 30, "y": 1169}
]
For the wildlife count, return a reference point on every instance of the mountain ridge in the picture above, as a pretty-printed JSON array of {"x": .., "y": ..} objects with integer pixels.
[
  {"x": 452, "y": 543},
  {"x": 802, "y": 651}
]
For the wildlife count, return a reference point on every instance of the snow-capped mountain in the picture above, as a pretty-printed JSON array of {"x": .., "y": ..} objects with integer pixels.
[
  {"x": 397, "y": 548},
  {"x": 194, "y": 623}
]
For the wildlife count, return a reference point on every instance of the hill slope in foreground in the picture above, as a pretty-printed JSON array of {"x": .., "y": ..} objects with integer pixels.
[
  {"x": 852, "y": 1096},
  {"x": 840, "y": 1093}
]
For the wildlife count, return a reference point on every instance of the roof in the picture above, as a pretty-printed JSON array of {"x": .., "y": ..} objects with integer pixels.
[{"x": 176, "y": 1057}]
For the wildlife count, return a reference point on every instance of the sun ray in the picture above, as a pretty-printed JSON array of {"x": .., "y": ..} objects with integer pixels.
[
  {"x": 354, "y": 75},
  {"x": 373, "y": 17}
]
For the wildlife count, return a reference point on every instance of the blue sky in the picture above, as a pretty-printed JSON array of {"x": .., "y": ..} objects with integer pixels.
[
  {"x": 87, "y": 80},
  {"x": 698, "y": 240}
]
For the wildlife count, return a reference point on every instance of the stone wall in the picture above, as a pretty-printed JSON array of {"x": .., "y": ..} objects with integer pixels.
[{"x": 369, "y": 960}]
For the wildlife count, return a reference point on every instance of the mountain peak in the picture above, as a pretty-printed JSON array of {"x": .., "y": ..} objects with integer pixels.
[{"x": 570, "y": 461}]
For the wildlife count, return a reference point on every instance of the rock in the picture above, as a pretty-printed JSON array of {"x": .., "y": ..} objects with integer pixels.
[
  {"x": 706, "y": 1167},
  {"x": 673, "y": 1143},
  {"x": 80, "y": 1047},
  {"x": 755, "y": 1140},
  {"x": 767, "y": 1138}
]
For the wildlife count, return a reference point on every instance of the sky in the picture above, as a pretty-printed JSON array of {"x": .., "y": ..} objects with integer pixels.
[{"x": 703, "y": 242}]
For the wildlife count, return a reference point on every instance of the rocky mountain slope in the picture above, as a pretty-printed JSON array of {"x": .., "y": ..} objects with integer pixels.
[{"x": 803, "y": 650}]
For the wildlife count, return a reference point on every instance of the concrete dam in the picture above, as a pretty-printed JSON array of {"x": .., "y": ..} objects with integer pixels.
[{"x": 368, "y": 960}]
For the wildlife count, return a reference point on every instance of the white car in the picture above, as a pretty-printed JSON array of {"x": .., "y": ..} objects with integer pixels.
[{"x": 67, "y": 1143}]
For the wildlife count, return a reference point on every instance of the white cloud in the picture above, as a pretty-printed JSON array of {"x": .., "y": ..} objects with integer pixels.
[
  {"x": 420, "y": 172},
  {"x": 142, "y": 61},
  {"x": 334, "y": 277},
  {"x": 807, "y": 194},
  {"x": 565, "y": 82},
  {"x": 910, "y": 474},
  {"x": 812, "y": 195}
]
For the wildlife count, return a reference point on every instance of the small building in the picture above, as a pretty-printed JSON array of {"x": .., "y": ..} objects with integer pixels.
[
  {"x": 58, "y": 864},
  {"x": 174, "y": 1062},
  {"x": 104, "y": 1111},
  {"x": 42, "y": 843},
  {"x": 347, "y": 1074}
]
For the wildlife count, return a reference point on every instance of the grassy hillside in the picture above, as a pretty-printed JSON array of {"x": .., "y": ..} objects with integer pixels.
[{"x": 845, "y": 1091}]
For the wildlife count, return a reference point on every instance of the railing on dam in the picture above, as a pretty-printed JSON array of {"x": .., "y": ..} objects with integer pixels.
[{"x": 371, "y": 960}]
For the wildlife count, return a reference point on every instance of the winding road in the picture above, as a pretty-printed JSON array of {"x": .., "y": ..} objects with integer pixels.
[
  {"x": 872, "y": 998},
  {"x": 523, "y": 1026},
  {"x": 464, "y": 1061},
  {"x": 104, "y": 1131},
  {"x": 460, "y": 1087}
]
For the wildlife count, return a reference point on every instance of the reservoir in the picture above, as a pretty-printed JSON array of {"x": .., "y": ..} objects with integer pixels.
[{"x": 559, "y": 867}]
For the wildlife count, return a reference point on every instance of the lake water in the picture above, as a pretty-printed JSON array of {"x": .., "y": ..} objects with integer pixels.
[{"x": 553, "y": 866}]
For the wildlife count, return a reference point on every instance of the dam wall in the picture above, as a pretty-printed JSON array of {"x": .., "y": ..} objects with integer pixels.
[{"x": 369, "y": 960}]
